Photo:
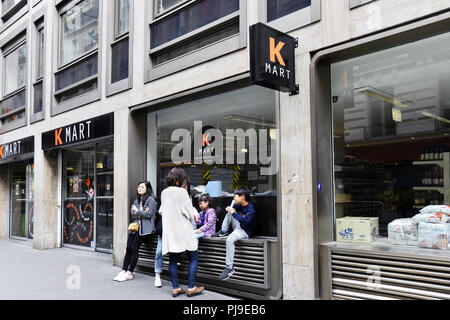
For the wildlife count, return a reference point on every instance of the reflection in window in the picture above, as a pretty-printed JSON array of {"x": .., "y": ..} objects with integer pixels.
[
  {"x": 280, "y": 8},
  {"x": 123, "y": 24},
  {"x": 79, "y": 33},
  {"x": 391, "y": 123},
  {"x": 15, "y": 70},
  {"x": 162, "y": 6},
  {"x": 241, "y": 133}
]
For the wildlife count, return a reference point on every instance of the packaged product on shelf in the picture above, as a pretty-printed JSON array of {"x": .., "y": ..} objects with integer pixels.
[
  {"x": 357, "y": 229},
  {"x": 437, "y": 217},
  {"x": 432, "y": 235},
  {"x": 436, "y": 208},
  {"x": 403, "y": 231}
]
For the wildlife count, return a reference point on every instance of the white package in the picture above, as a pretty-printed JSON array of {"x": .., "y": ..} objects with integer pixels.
[
  {"x": 403, "y": 231},
  {"x": 436, "y": 208},
  {"x": 432, "y": 235},
  {"x": 437, "y": 217}
]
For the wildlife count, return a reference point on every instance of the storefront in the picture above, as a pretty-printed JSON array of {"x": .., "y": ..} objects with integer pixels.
[
  {"x": 16, "y": 158},
  {"x": 86, "y": 153},
  {"x": 387, "y": 105},
  {"x": 225, "y": 138}
]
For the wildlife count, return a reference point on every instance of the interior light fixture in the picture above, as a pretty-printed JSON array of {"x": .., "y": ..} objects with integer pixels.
[
  {"x": 431, "y": 115},
  {"x": 383, "y": 96},
  {"x": 249, "y": 120}
]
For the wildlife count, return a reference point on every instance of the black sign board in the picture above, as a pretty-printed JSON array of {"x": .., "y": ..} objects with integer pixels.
[
  {"x": 272, "y": 58},
  {"x": 11, "y": 150},
  {"x": 89, "y": 129}
]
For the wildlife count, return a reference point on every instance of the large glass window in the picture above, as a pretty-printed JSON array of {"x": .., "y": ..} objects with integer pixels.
[
  {"x": 13, "y": 101},
  {"x": 391, "y": 126},
  {"x": 224, "y": 142},
  {"x": 280, "y": 8},
  {"x": 22, "y": 199},
  {"x": 79, "y": 30},
  {"x": 15, "y": 69}
]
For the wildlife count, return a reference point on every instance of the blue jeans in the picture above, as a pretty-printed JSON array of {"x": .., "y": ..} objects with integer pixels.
[
  {"x": 193, "y": 264},
  {"x": 159, "y": 256}
]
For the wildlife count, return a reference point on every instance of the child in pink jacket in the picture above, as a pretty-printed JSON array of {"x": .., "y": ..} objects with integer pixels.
[{"x": 208, "y": 218}]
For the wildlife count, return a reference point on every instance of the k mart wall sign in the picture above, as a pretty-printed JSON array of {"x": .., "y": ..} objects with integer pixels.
[
  {"x": 86, "y": 130},
  {"x": 10, "y": 150},
  {"x": 272, "y": 58}
]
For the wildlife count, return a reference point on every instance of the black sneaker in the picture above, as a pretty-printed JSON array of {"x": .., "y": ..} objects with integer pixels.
[
  {"x": 220, "y": 234},
  {"x": 226, "y": 274}
]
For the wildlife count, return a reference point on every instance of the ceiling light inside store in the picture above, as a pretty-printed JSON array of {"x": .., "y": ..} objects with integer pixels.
[
  {"x": 382, "y": 95},
  {"x": 428, "y": 114},
  {"x": 249, "y": 120}
]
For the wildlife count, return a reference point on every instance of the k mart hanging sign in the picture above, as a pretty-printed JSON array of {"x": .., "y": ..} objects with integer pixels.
[
  {"x": 82, "y": 131},
  {"x": 272, "y": 58}
]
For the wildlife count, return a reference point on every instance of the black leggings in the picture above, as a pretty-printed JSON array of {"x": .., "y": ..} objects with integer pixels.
[{"x": 132, "y": 254}]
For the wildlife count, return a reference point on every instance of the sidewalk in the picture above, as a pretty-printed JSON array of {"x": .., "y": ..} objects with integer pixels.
[{"x": 69, "y": 274}]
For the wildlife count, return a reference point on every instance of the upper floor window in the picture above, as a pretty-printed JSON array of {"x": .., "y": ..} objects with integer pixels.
[
  {"x": 78, "y": 55},
  {"x": 289, "y": 15},
  {"x": 179, "y": 29},
  {"x": 280, "y": 8},
  {"x": 14, "y": 73},
  {"x": 79, "y": 31},
  {"x": 11, "y": 11},
  {"x": 37, "y": 70}
]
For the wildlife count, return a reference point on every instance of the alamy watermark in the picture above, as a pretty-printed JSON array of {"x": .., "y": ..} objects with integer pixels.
[
  {"x": 209, "y": 147},
  {"x": 74, "y": 280}
]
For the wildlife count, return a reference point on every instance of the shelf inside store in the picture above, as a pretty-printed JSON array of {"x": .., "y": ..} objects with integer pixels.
[
  {"x": 429, "y": 162},
  {"x": 429, "y": 188}
]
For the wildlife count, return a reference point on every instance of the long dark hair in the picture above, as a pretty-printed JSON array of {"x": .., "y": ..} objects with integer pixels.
[
  {"x": 176, "y": 177},
  {"x": 145, "y": 196}
]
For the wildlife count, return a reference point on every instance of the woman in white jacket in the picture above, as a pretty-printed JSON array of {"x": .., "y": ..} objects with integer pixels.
[{"x": 177, "y": 214}]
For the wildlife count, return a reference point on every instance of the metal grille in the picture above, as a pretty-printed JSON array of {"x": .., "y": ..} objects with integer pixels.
[
  {"x": 379, "y": 277},
  {"x": 250, "y": 260}
]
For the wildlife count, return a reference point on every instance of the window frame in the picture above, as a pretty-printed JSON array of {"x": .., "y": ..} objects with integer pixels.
[
  {"x": 39, "y": 23},
  {"x": 10, "y": 43},
  {"x": 61, "y": 7},
  {"x": 225, "y": 46},
  {"x": 357, "y": 3},
  {"x": 114, "y": 38},
  {"x": 294, "y": 20},
  {"x": 8, "y": 19}
]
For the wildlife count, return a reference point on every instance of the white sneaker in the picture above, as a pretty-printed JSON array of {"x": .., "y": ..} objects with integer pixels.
[
  {"x": 128, "y": 276},
  {"x": 158, "y": 283},
  {"x": 119, "y": 275}
]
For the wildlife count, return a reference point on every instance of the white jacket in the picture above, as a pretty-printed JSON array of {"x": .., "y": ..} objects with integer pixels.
[{"x": 177, "y": 214}]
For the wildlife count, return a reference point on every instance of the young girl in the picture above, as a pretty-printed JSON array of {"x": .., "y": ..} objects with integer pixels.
[
  {"x": 208, "y": 218},
  {"x": 143, "y": 212}
]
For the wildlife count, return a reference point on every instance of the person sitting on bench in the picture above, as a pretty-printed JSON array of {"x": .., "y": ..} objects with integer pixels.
[{"x": 242, "y": 218}]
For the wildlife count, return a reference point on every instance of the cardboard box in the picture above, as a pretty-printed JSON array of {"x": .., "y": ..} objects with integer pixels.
[{"x": 357, "y": 229}]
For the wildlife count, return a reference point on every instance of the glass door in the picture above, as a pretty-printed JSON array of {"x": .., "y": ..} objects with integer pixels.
[
  {"x": 105, "y": 195},
  {"x": 78, "y": 196},
  {"x": 88, "y": 195},
  {"x": 22, "y": 195}
]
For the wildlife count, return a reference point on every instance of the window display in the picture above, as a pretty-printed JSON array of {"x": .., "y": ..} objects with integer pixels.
[
  {"x": 224, "y": 142},
  {"x": 391, "y": 115}
]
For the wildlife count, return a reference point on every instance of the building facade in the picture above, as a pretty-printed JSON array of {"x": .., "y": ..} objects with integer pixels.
[{"x": 98, "y": 95}]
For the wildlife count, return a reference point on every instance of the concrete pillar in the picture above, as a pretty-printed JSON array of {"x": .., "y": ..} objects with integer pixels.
[
  {"x": 4, "y": 203},
  {"x": 296, "y": 169},
  {"x": 46, "y": 212}
]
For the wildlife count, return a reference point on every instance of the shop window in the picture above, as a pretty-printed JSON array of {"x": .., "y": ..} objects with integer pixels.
[
  {"x": 121, "y": 46},
  {"x": 184, "y": 33},
  {"x": 357, "y": 3},
  {"x": 78, "y": 54},
  {"x": 14, "y": 65},
  {"x": 38, "y": 71},
  {"x": 230, "y": 142},
  {"x": 12, "y": 10},
  {"x": 288, "y": 15},
  {"x": 391, "y": 127}
]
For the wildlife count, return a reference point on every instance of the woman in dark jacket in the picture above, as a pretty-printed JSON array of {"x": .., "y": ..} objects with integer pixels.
[{"x": 143, "y": 212}]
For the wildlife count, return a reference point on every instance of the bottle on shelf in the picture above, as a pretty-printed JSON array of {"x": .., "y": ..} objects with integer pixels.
[{"x": 427, "y": 154}]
